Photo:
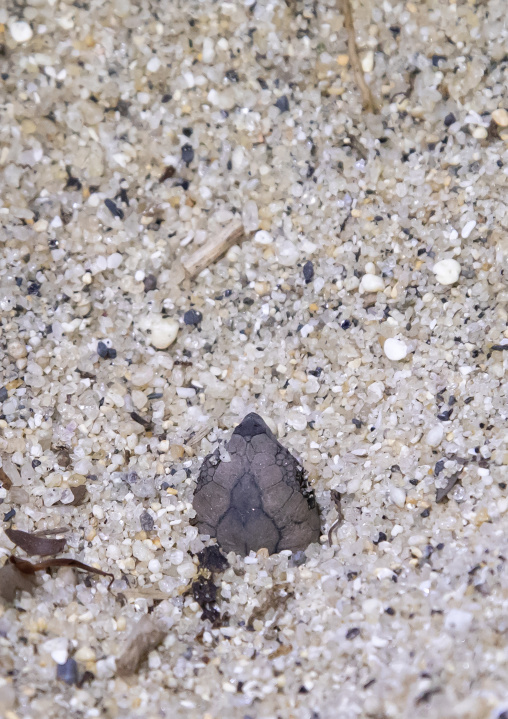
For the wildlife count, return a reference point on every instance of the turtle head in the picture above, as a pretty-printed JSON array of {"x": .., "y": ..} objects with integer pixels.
[{"x": 251, "y": 425}]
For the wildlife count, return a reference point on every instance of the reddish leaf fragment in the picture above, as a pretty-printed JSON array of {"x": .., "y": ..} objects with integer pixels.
[
  {"x": 34, "y": 544},
  {"x": 4, "y": 479},
  {"x": 12, "y": 580},
  {"x": 28, "y": 568}
]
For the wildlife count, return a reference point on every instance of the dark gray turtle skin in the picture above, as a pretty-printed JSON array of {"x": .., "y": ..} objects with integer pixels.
[{"x": 259, "y": 498}]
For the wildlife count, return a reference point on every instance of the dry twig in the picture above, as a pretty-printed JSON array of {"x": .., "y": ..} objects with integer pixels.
[
  {"x": 214, "y": 248},
  {"x": 368, "y": 100},
  {"x": 146, "y": 635},
  {"x": 336, "y": 498}
]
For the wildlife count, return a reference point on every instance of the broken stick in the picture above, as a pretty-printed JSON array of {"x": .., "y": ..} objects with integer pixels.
[
  {"x": 213, "y": 249},
  {"x": 368, "y": 100}
]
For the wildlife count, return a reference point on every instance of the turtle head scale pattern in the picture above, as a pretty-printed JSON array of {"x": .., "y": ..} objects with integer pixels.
[
  {"x": 259, "y": 497},
  {"x": 251, "y": 425}
]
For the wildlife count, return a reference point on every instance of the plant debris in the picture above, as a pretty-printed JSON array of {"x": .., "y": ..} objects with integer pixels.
[
  {"x": 34, "y": 543},
  {"x": 443, "y": 491},
  {"x": 276, "y": 598},
  {"x": 28, "y": 568},
  {"x": 13, "y": 580},
  {"x": 211, "y": 558},
  {"x": 368, "y": 100},
  {"x": 4, "y": 479},
  {"x": 146, "y": 635},
  {"x": 204, "y": 592},
  {"x": 213, "y": 248},
  {"x": 336, "y": 499}
]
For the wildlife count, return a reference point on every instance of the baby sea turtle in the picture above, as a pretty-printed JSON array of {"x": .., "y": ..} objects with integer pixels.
[{"x": 258, "y": 498}]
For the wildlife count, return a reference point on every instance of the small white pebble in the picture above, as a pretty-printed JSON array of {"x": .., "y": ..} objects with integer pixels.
[
  {"x": 16, "y": 349},
  {"x": 85, "y": 654},
  {"x": 467, "y": 229},
  {"x": 480, "y": 133},
  {"x": 500, "y": 117},
  {"x": 57, "y": 648},
  {"x": 41, "y": 226},
  {"x": 371, "y": 283},
  {"x": 114, "y": 261},
  {"x": 153, "y": 64},
  {"x": 398, "y": 496},
  {"x": 458, "y": 619},
  {"x": 447, "y": 271},
  {"x": 138, "y": 399},
  {"x": 395, "y": 349},
  {"x": 262, "y": 237},
  {"x": 435, "y": 435},
  {"x": 86, "y": 278},
  {"x": 20, "y": 31},
  {"x": 368, "y": 61},
  {"x": 208, "y": 53},
  {"x": 98, "y": 512},
  {"x": 142, "y": 376},
  {"x": 296, "y": 420},
  {"x": 164, "y": 332},
  {"x": 288, "y": 254}
]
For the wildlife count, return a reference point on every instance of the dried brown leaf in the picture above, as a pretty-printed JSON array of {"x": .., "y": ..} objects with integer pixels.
[
  {"x": 79, "y": 494},
  {"x": 12, "y": 580},
  {"x": 28, "y": 568},
  {"x": 34, "y": 544},
  {"x": 147, "y": 634},
  {"x": 4, "y": 479}
]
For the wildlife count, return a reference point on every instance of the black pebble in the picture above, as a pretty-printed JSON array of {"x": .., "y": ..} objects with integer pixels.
[
  {"x": 9, "y": 515},
  {"x": 150, "y": 283},
  {"x": 282, "y": 104},
  {"x": 425, "y": 513},
  {"x": 211, "y": 558},
  {"x": 187, "y": 153},
  {"x": 33, "y": 288},
  {"x": 166, "y": 98},
  {"x": 449, "y": 119},
  {"x": 104, "y": 351},
  {"x": 3, "y": 394},
  {"x": 381, "y": 538},
  {"x": 439, "y": 467},
  {"x": 147, "y": 522},
  {"x": 346, "y": 324},
  {"x": 357, "y": 423},
  {"x": 192, "y": 317},
  {"x": 187, "y": 131},
  {"x": 112, "y": 207},
  {"x": 445, "y": 416},
  {"x": 352, "y": 633},
  {"x": 232, "y": 76},
  {"x": 390, "y": 611},
  {"x": 67, "y": 672},
  {"x": 204, "y": 591},
  {"x": 308, "y": 271}
]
